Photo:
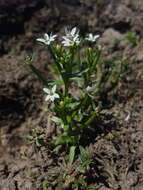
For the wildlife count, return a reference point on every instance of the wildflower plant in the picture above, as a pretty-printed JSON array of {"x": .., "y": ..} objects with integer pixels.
[{"x": 82, "y": 67}]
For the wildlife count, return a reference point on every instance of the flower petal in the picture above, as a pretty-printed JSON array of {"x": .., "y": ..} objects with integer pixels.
[
  {"x": 46, "y": 90},
  {"x": 46, "y": 37},
  {"x": 53, "y": 36},
  {"x": 48, "y": 97},
  {"x": 56, "y": 95},
  {"x": 54, "y": 89},
  {"x": 91, "y": 37},
  {"x": 41, "y": 40},
  {"x": 52, "y": 98},
  {"x": 73, "y": 31},
  {"x": 65, "y": 37},
  {"x": 97, "y": 36}
]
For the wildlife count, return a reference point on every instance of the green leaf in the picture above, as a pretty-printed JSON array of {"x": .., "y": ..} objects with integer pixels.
[
  {"x": 63, "y": 139},
  {"x": 51, "y": 144},
  {"x": 29, "y": 137},
  {"x": 91, "y": 187},
  {"x": 38, "y": 74},
  {"x": 79, "y": 74},
  {"x": 65, "y": 127},
  {"x": 45, "y": 187},
  {"x": 103, "y": 111},
  {"x": 91, "y": 119},
  {"x": 58, "y": 82},
  {"x": 73, "y": 105},
  {"x": 60, "y": 122},
  {"x": 57, "y": 120},
  {"x": 72, "y": 154},
  {"x": 82, "y": 153},
  {"x": 85, "y": 156}
]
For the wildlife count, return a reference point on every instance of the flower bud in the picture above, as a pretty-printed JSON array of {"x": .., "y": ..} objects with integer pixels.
[
  {"x": 61, "y": 104},
  {"x": 58, "y": 48},
  {"x": 89, "y": 49}
]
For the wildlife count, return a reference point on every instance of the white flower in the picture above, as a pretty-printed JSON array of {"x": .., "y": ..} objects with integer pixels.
[
  {"x": 70, "y": 41},
  {"x": 52, "y": 95},
  {"x": 71, "y": 38},
  {"x": 74, "y": 32},
  {"x": 92, "y": 38},
  {"x": 47, "y": 39}
]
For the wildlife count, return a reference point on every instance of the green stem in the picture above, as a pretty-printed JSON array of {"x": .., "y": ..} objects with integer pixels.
[
  {"x": 68, "y": 71},
  {"x": 93, "y": 66},
  {"x": 83, "y": 102},
  {"x": 54, "y": 57},
  {"x": 78, "y": 56},
  {"x": 66, "y": 88},
  {"x": 64, "y": 78},
  {"x": 91, "y": 119},
  {"x": 96, "y": 60}
]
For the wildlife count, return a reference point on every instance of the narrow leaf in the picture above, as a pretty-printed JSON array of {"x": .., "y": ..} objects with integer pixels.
[
  {"x": 38, "y": 74},
  {"x": 57, "y": 120},
  {"x": 72, "y": 154},
  {"x": 63, "y": 139},
  {"x": 82, "y": 152}
]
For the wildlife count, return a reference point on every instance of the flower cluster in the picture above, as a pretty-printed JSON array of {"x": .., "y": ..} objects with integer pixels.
[{"x": 71, "y": 38}]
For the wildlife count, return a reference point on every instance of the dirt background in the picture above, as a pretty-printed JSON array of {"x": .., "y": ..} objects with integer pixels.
[{"x": 118, "y": 149}]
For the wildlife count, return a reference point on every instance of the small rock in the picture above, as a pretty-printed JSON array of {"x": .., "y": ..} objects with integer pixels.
[{"x": 110, "y": 36}]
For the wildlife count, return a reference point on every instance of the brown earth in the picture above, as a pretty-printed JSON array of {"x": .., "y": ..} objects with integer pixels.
[{"x": 117, "y": 150}]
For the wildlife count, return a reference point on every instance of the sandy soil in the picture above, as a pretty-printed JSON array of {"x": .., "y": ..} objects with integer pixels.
[{"x": 117, "y": 148}]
